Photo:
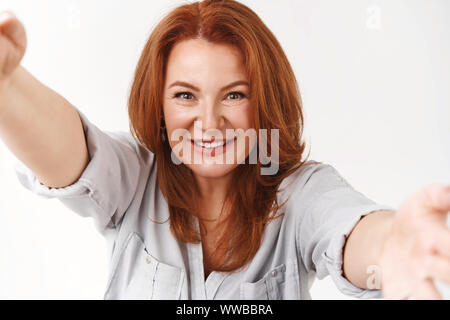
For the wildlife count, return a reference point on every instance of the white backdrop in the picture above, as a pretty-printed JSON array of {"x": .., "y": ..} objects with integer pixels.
[{"x": 375, "y": 79}]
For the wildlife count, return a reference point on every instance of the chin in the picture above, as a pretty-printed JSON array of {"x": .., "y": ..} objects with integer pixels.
[{"x": 212, "y": 171}]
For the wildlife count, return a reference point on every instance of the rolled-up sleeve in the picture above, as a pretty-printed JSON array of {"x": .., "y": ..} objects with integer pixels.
[
  {"x": 109, "y": 182},
  {"x": 332, "y": 210}
]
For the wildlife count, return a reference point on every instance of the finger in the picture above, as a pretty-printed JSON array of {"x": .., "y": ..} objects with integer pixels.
[
  {"x": 435, "y": 197},
  {"x": 4, "y": 15},
  {"x": 441, "y": 242},
  {"x": 13, "y": 29},
  {"x": 426, "y": 290},
  {"x": 437, "y": 268}
]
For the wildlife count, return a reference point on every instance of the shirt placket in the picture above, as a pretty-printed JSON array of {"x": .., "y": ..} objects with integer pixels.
[
  {"x": 197, "y": 282},
  {"x": 201, "y": 289},
  {"x": 213, "y": 283}
]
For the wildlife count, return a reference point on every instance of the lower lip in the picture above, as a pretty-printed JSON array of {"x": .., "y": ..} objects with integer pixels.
[{"x": 212, "y": 152}]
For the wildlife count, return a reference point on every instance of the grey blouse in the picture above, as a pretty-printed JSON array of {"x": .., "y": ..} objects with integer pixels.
[{"x": 119, "y": 190}]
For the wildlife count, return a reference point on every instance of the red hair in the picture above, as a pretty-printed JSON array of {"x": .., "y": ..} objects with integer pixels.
[{"x": 276, "y": 103}]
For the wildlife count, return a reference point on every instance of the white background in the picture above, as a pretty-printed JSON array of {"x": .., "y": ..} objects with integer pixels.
[{"x": 375, "y": 80}]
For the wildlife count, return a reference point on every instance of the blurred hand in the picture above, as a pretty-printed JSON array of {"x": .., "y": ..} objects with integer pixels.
[
  {"x": 13, "y": 42},
  {"x": 417, "y": 250}
]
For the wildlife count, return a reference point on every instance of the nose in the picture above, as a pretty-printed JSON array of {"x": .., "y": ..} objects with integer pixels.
[{"x": 211, "y": 116}]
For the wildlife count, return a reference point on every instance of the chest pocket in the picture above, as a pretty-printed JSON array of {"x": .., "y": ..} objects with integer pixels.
[
  {"x": 279, "y": 283},
  {"x": 140, "y": 276}
]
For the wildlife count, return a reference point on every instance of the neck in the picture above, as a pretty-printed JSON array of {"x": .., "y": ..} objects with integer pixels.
[{"x": 212, "y": 195}]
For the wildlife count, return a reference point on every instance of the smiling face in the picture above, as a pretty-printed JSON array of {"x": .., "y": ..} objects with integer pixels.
[{"x": 206, "y": 96}]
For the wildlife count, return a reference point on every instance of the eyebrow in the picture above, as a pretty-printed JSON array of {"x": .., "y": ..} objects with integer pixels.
[{"x": 190, "y": 86}]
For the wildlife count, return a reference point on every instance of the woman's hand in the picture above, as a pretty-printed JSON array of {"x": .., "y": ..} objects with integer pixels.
[
  {"x": 13, "y": 42},
  {"x": 41, "y": 128},
  {"x": 417, "y": 249}
]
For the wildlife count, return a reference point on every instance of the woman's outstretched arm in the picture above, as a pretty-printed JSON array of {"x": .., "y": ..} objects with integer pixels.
[
  {"x": 40, "y": 127},
  {"x": 406, "y": 251},
  {"x": 363, "y": 249}
]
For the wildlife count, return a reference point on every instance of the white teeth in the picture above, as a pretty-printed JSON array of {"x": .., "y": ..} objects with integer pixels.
[{"x": 211, "y": 145}]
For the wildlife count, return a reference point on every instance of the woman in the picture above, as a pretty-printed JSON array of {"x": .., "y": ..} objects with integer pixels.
[{"x": 212, "y": 197}]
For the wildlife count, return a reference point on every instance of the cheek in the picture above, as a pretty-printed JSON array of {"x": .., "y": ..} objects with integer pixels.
[
  {"x": 241, "y": 118},
  {"x": 177, "y": 118}
]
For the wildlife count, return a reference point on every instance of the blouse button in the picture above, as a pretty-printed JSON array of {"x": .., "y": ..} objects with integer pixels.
[
  {"x": 274, "y": 273},
  {"x": 148, "y": 260}
]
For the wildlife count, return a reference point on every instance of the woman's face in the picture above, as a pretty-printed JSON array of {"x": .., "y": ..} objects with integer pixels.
[{"x": 206, "y": 95}]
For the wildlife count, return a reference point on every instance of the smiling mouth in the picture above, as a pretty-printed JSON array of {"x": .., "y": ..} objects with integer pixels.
[{"x": 212, "y": 145}]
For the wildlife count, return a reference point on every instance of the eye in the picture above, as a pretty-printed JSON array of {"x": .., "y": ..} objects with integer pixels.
[
  {"x": 189, "y": 96},
  {"x": 183, "y": 95},
  {"x": 237, "y": 94}
]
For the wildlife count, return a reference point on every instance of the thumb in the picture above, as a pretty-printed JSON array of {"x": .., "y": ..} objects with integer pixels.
[
  {"x": 13, "y": 29},
  {"x": 435, "y": 197}
]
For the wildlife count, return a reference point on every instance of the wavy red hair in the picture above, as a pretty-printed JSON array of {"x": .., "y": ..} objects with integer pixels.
[{"x": 276, "y": 103}]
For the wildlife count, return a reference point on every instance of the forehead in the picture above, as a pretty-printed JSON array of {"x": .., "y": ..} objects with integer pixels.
[{"x": 198, "y": 57}]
